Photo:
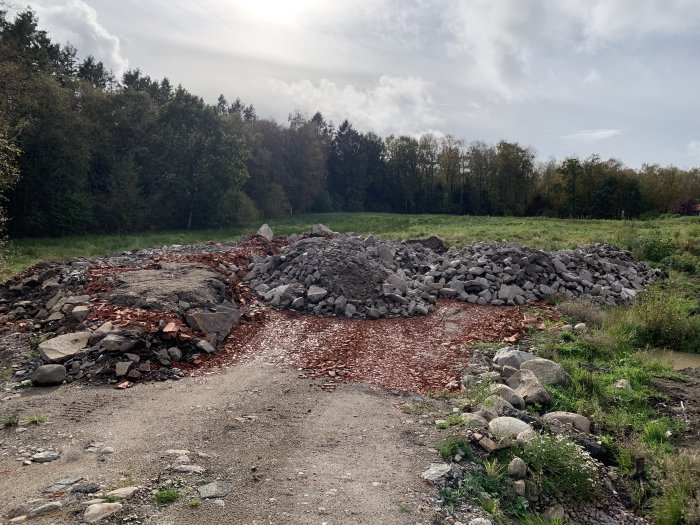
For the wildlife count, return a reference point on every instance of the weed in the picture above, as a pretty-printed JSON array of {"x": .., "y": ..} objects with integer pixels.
[
  {"x": 166, "y": 496},
  {"x": 494, "y": 469},
  {"x": 36, "y": 419},
  {"x": 492, "y": 506},
  {"x": 541, "y": 520},
  {"x": 453, "y": 446},
  {"x": 561, "y": 466},
  {"x": 580, "y": 309},
  {"x": 451, "y": 421},
  {"x": 11, "y": 420},
  {"x": 679, "y": 502},
  {"x": 403, "y": 509},
  {"x": 194, "y": 502},
  {"x": 109, "y": 499}
]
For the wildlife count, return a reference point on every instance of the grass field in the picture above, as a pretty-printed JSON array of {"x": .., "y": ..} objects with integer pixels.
[{"x": 537, "y": 232}]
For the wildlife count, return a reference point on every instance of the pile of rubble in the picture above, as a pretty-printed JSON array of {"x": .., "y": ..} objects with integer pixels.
[{"x": 355, "y": 276}]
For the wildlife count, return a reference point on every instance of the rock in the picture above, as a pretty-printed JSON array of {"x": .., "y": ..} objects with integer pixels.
[
  {"x": 189, "y": 469},
  {"x": 509, "y": 292},
  {"x": 579, "y": 422},
  {"x": 480, "y": 521},
  {"x": 316, "y": 293},
  {"x": 623, "y": 384},
  {"x": 117, "y": 343},
  {"x": 86, "y": 488},
  {"x": 508, "y": 394},
  {"x": 474, "y": 421},
  {"x": 436, "y": 471},
  {"x": 63, "y": 347},
  {"x": 527, "y": 386},
  {"x": 517, "y": 468},
  {"x": 497, "y": 404},
  {"x": 507, "y": 427},
  {"x": 45, "y": 508},
  {"x": 175, "y": 353},
  {"x": 580, "y": 327},
  {"x": 266, "y": 232},
  {"x": 519, "y": 487},
  {"x": 546, "y": 371},
  {"x": 555, "y": 512},
  {"x": 125, "y": 493},
  {"x": 386, "y": 254},
  {"x": 321, "y": 229},
  {"x": 49, "y": 375},
  {"x": 61, "y": 485},
  {"x": 213, "y": 324},
  {"x": 509, "y": 356},
  {"x": 525, "y": 436},
  {"x": 205, "y": 346},
  {"x": 215, "y": 489},
  {"x": 121, "y": 368},
  {"x": 45, "y": 457},
  {"x": 98, "y": 511}
]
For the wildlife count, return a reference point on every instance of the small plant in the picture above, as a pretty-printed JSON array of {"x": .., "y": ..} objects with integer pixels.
[
  {"x": 11, "y": 420},
  {"x": 453, "y": 446},
  {"x": 403, "y": 509},
  {"x": 36, "y": 419},
  {"x": 451, "y": 421},
  {"x": 656, "y": 435},
  {"x": 166, "y": 496},
  {"x": 561, "y": 466},
  {"x": 494, "y": 469},
  {"x": 109, "y": 499},
  {"x": 492, "y": 506},
  {"x": 194, "y": 502}
]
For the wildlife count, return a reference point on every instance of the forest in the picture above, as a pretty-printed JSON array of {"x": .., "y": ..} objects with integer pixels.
[{"x": 82, "y": 151}]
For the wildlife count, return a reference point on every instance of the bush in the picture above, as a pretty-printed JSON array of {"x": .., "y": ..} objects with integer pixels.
[
  {"x": 656, "y": 249},
  {"x": 454, "y": 445},
  {"x": 582, "y": 310},
  {"x": 165, "y": 496},
  {"x": 683, "y": 262},
  {"x": 561, "y": 466}
]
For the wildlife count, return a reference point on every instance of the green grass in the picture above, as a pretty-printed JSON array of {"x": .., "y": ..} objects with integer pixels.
[
  {"x": 455, "y": 445},
  {"x": 537, "y": 232},
  {"x": 36, "y": 419},
  {"x": 10, "y": 420},
  {"x": 166, "y": 496}
]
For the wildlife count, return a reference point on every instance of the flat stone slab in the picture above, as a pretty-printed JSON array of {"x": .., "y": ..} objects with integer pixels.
[
  {"x": 63, "y": 347},
  {"x": 215, "y": 489},
  {"x": 436, "y": 471},
  {"x": 99, "y": 511}
]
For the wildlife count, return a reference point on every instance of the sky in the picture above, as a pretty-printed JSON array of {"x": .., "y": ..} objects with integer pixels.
[{"x": 617, "y": 78}]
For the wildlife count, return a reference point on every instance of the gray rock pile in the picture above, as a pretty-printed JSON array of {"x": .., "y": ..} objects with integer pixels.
[{"x": 354, "y": 276}]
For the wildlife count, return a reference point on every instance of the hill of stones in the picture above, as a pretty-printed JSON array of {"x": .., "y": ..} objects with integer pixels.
[
  {"x": 354, "y": 276},
  {"x": 154, "y": 311}
]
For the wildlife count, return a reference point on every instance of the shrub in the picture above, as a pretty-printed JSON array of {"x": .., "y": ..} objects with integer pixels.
[
  {"x": 683, "y": 262},
  {"x": 561, "y": 466},
  {"x": 165, "y": 496},
  {"x": 656, "y": 249},
  {"x": 455, "y": 445},
  {"x": 679, "y": 503},
  {"x": 582, "y": 310}
]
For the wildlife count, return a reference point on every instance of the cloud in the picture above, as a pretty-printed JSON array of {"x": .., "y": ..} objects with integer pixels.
[
  {"x": 593, "y": 135},
  {"x": 393, "y": 105},
  {"x": 694, "y": 148},
  {"x": 593, "y": 77},
  {"x": 76, "y": 22}
]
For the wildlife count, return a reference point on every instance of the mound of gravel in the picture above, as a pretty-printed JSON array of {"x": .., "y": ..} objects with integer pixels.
[{"x": 355, "y": 276}]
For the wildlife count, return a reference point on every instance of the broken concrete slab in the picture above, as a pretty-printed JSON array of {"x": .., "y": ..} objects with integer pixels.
[{"x": 63, "y": 347}]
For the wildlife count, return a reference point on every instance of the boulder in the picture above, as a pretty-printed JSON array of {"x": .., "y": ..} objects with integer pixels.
[
  {"x": 474, "y": 421},
  {"x": 497, "y": 404},
  {"x": 265, "y": 231},
  {"x": 548, "y": 372},
  {"x": 49, "y": 375},
  {"x": 316, "y": 293},
  {"x": 509, "y": 356},
  {"x": 527, "y": 386},
  {"x": 63, "y": 347},
  {"x": 579, "y": 422},
  {"x": 508, "y": 394},
  {"x": 517, "y": 468},
  {"x": 117, "y": 343},
  {"x": 216, "y": 324},
  {"x": 215, "y": 489},
  {"x": 436, "y": 471},
  {"x": 507, "y": 427},
  {"x": 124, "y": 492}
]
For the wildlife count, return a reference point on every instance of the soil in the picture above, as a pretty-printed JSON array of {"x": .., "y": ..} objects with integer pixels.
[{"x": 683, "y": 406}]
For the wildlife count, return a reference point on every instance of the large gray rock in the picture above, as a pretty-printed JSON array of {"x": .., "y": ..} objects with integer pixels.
[
  {"x": 49, "y": 375},
  {"x": 266, "y": 232},
  {"x": 517, "y": 468},
  {"x": 99, "y": 511},
  {"x": 548, "y": 372},
  {"x": 473, "y": 421},
  {"x": 117, "y": 343},
  {"x": 579, "y": 422},
  {"x": 507, "y": 427},
  {"x": 215, "y": 489},
  {"x": 45, "y": 508},
  {"x": 510, "y": 292},
  {"x": 508, "y": 394},
  {"x": 63, "y": 347},
  {"x": 213, "y": 324},
  {"x": 509, "y": 356},
  {"x": 527, "y": 386},
  {"x": 321, "y": 229},
  {"x": 497, "y": 404}
]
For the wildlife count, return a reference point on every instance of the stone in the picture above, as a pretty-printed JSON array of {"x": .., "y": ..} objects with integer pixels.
[
  {"x": 509, "y": 292},
  {"x": 579, "y": 422},
  {"x": 480, "y": 521},
  {"x": 623, "y": 384},
  {"x": 121, "y": 368},
  {"x": 49, "y": 375},
  {"x": 526, "y": 436},
  {"x": 436, "y": 471},
  {"x": 519, "y": 487},
  {"x": 175, "y": 353},
  {"x": 497, "y": 404},
  {"x": 45, "y": 508},
  {"x": 316, "y": 293},
  {"x": 580, "y": 327},
  {"x": 45, "y": 457},
  {"x": 546, "y": 371},
  {"x": 527, "y": 386},
  {"x": 265, "y": 231},
  {"x": 189, "y": 469},
  {"x": 509, "y": 356},
  {"x": 63, "y": 347},
  {"x": 61, "y": 485},
  {"x": 213, "y": 324},
  {"x": 215, "y": 489},
  {"x": 205, "y": 346},
  {"x": 321, "y": 229},
  {"x": 117, "y": 343},
  {"x": 80, "y": 312},
  {"x": 99, "y": 511},
  {"x": 474, "y": 421},
  {"x": 508, "y": 394},
  {"x": 555, "y": 513},
  {"x": 517, "y": 468},
  {"x": 125, "y": 493},
  {"x": 507, "y": 427}
]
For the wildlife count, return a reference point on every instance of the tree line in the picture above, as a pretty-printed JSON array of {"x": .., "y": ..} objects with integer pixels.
[{"x": 81, "y": 150}]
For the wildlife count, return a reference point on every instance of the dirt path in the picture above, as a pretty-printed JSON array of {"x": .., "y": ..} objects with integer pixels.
[{"x": 294, "y": 453}]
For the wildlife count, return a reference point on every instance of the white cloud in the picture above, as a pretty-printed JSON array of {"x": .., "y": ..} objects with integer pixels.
[
  {"x": 593, "y": 135},
  {"x": 393, "y": 105},
  {"x": 76, "y": 22},
  {"x": 694, "y": 148},
  {"x": 593, "y": 77}
]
